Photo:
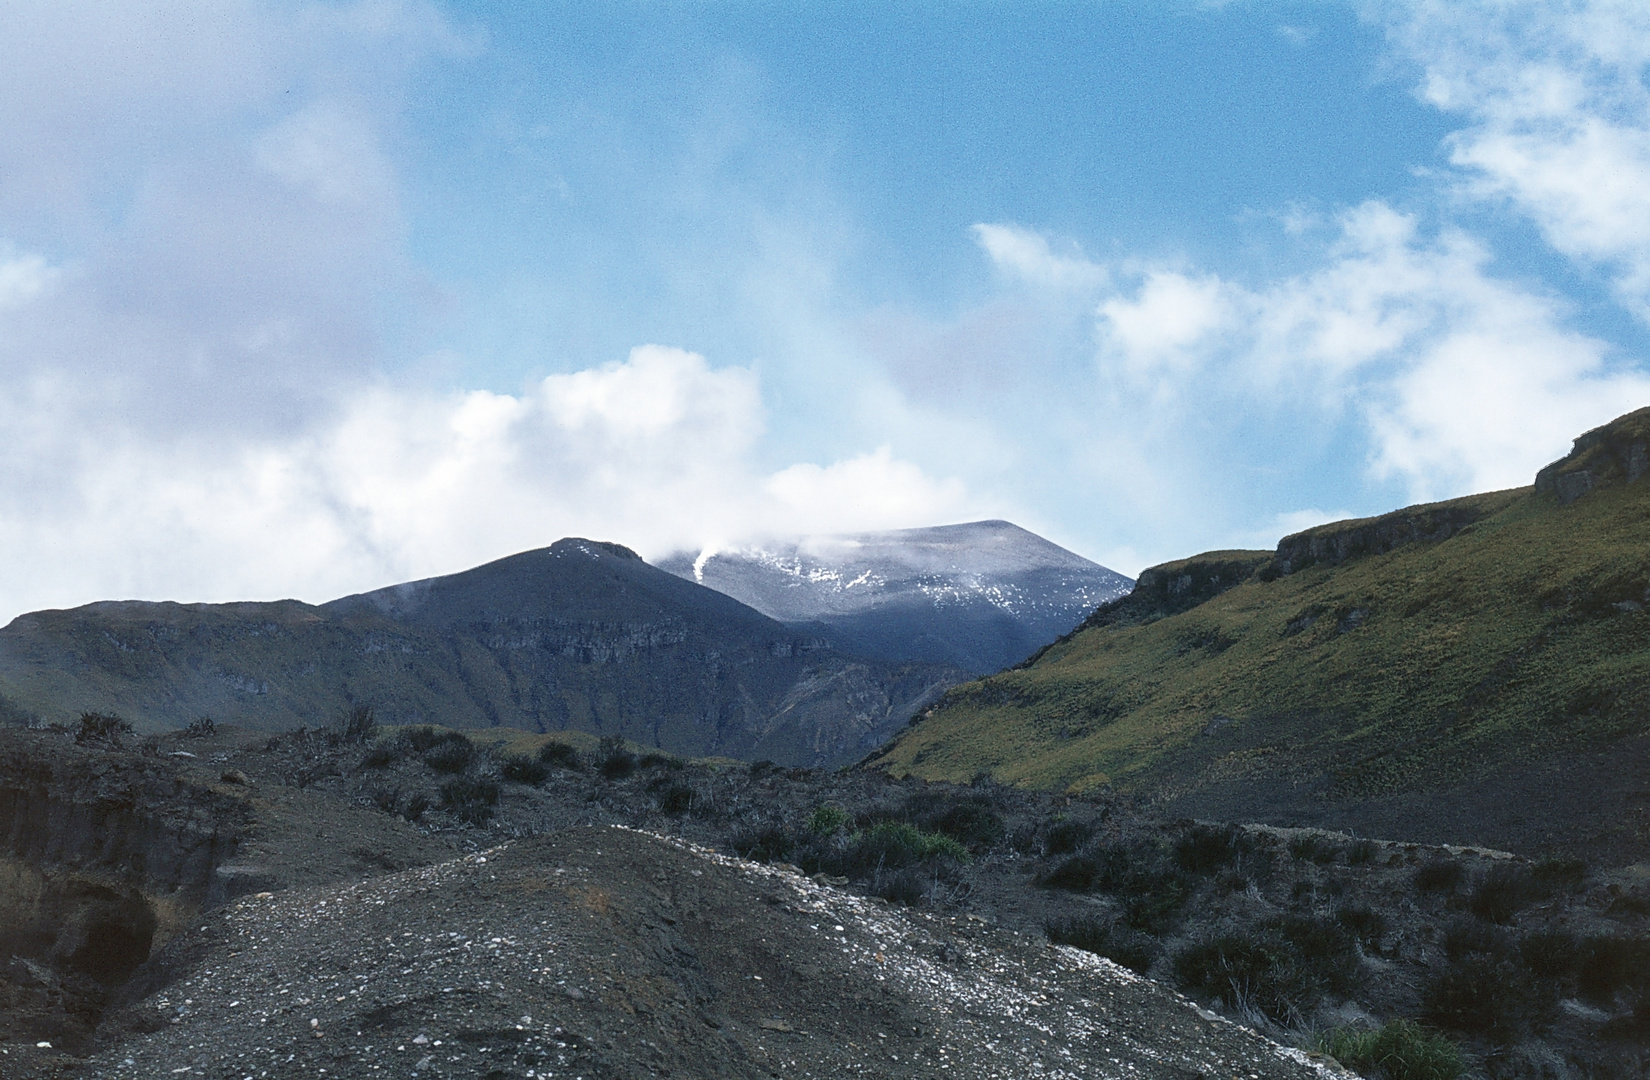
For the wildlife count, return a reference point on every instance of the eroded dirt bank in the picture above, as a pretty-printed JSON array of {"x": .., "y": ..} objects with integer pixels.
[{"x": 108, "y": 848}]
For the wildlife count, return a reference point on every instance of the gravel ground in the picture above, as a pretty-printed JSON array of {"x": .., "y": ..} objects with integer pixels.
[{"x": 609, "y": 952}]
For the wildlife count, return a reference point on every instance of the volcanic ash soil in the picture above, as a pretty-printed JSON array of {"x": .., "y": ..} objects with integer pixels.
[{"x": 603, "y": 952}]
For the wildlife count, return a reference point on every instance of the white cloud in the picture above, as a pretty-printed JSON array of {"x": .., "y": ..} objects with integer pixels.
[
  {"x": 1558, "y": 118},
  {"x": 333, "y": 156},
  {"x": 23, "y": 277},
  {"x": 871, "y": 491},
  {"x": 1160, "y": 325},
  {"x": 655, "y": 452},
  {"x": 1464, "y": 382},
  {"x": 1027, "y": 255}
]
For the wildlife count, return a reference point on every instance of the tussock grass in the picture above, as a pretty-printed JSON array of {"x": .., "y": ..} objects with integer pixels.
[{"x": 1398, "y": 1050}]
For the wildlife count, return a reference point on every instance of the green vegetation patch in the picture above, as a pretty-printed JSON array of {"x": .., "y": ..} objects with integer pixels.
[
  {"x": 1398, "y": 1050},
  {"x": 1522, "y": 634}
]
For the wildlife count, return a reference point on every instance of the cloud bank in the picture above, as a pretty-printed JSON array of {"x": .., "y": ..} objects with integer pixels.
[
  {"x": 1558, "y": 118},
  {"x": 654, "y": 451}
]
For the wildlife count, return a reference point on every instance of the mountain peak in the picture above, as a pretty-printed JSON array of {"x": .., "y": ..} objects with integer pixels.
[{"x": 980, "y": 594}]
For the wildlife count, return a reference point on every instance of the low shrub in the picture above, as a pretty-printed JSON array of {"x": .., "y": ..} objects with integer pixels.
[
  {"x": 1080, "y": 874},
  {"x": 1468, "y": 937},
  {"x": 1607, "y": 965},
  {"x": 1146, "y": 876},
  {"x": 1557, "y": 872},
  {"x": 907, "y": 886},
  {"x": 416, "y": 805},
  {"x": 522, "y": 769},
  {"x": 1065, "y": 837},
  {"x": 891, "y": 845},
  {"x": 1364, "y": 923},
  {"x": 1250, "y": 973},
  {"x": 386, "y": 799},
  {"x": 1362, "y": 852},
  {"x": 1399, "y": 1050},
  {"x": 1550, "y": 954},
  {"x": 1326, "y": 946},
  {"x": 100, "y": 727},
  {"x": 1153, "y": 902},
  {"x": 1209, "y": 849},
  {"x": 1439, "y": 876},
  {"x": 1502, "y": 893},
  {"x": 379, "y": 757},
  {"x": 676, "y": 799},
  {"x": 1491, "y": 996},
  {"x": 1310, "y": 847},
  {"x": 1131, "y": 948},
  {"x": 1634, "y": 1026},
  {"x": 420, "y": 739},
  {"x": 356, "y": 727},
  {"x": 560, "y": 755},
  {"x": 1630, "y": 904},
  {"x": 470, "y": 798},
  {"x": 200, "y": 728},
  {"x": 763, "y": 844},
  {"x": 613, "y": 761},
  {"x": 828, "y": 821},
  {"x": 972, "y": 822},
  {"x": 1280, "y": 969},
  {"x": 451, "y": 752}
]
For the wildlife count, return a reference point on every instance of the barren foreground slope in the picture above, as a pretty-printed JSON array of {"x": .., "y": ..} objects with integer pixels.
[
  {"x": 606, "y": 952},
  {"x": 190, "y": 904}
]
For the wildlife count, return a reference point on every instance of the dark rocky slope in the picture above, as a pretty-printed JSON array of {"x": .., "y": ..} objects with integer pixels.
[
  {"x": 980, "y": 596},
  {"x": 580, "y": 635},
  {"x": 353, "y": 940}
]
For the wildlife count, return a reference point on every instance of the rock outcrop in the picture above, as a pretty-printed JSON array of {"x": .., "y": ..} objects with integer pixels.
[
  {"x": 1179, "y": 586},
  {"x": 1616, "y": 453},
  {"x": 1340, "y": 541}
]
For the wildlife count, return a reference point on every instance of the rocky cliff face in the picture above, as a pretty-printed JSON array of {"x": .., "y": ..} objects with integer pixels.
[
  {"x": 1340, "y": 541},
  {"x": 1617, "y": 453},
  {"x": 1179, "y": 586}
]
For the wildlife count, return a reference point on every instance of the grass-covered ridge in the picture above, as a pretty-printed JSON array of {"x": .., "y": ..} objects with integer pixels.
[{"x": 1428, "y": 648}]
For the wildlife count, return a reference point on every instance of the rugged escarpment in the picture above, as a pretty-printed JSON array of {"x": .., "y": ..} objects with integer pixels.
[
  {"x": 1616, "y": 453},
  {"x": 1178, "y": 586},
  {"x": 1340, "y": 541},
  {"x": 580, "y": 635}
]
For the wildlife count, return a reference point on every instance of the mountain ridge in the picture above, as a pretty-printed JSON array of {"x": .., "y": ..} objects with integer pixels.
[{"x": 581, "y": 635}]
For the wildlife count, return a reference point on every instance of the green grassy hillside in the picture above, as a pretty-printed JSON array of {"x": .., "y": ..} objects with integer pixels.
[{"x": 1436, "y": 649}]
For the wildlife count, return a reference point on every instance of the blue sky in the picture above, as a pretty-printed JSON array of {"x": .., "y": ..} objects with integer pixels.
[{"x": 302, "y": 299}]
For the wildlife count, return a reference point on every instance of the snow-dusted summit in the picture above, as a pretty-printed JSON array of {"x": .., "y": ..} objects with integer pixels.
[{"x": 982, "y": 595}]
